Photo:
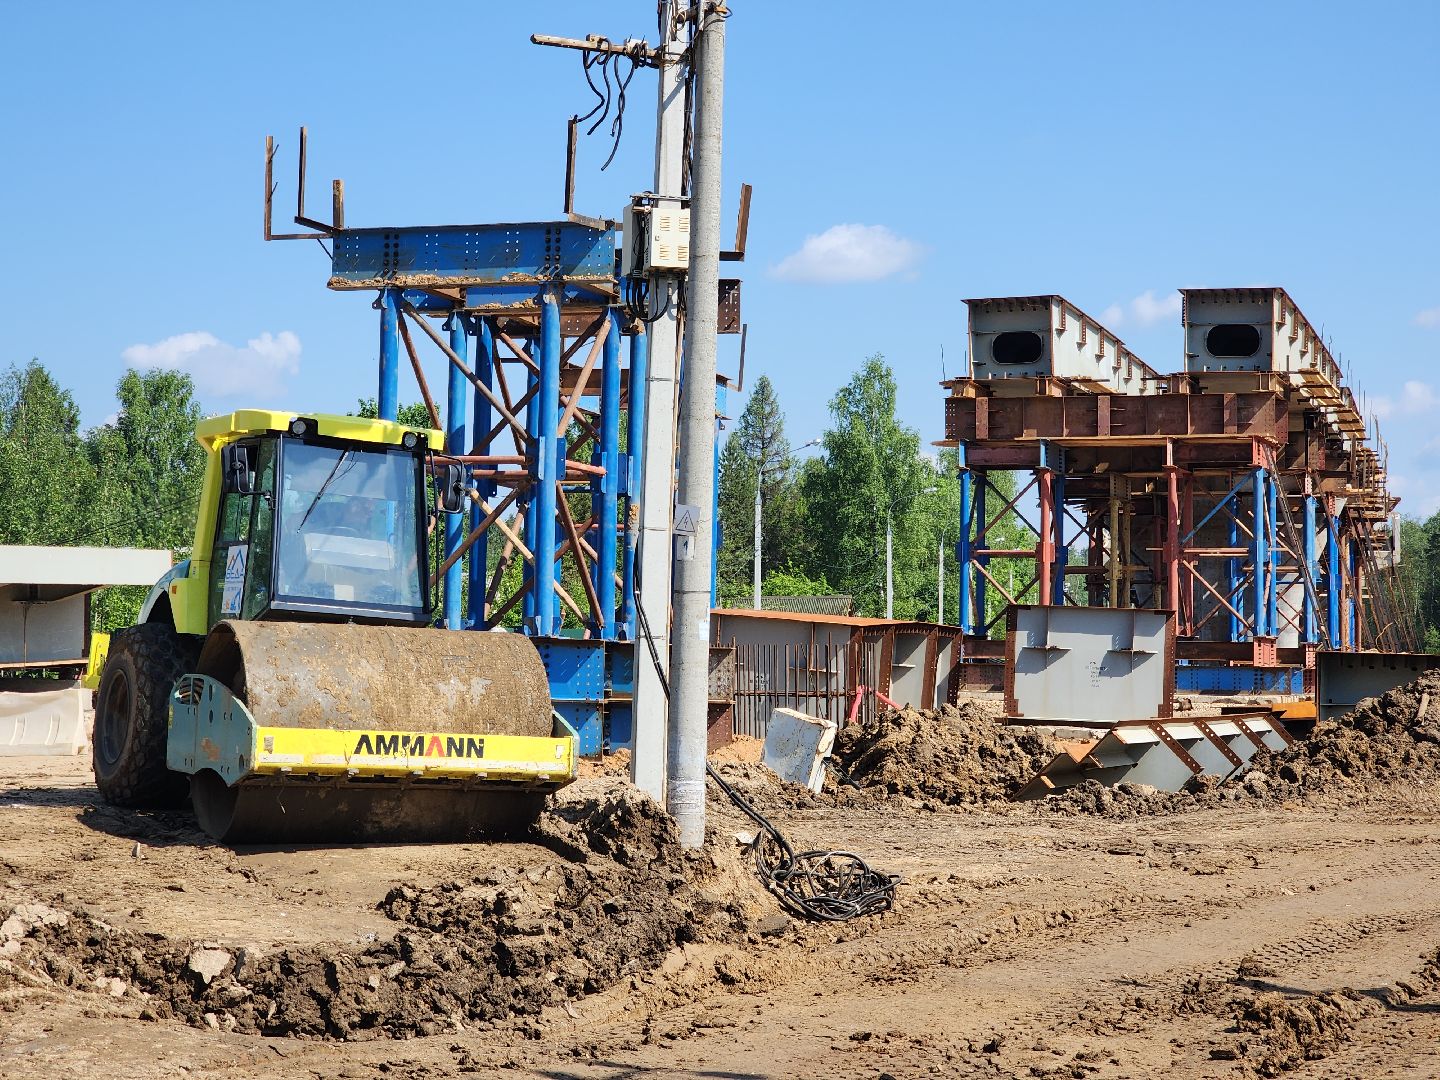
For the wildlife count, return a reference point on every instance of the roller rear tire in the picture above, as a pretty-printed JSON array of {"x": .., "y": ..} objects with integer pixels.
[{"x": 132, "y": 716}]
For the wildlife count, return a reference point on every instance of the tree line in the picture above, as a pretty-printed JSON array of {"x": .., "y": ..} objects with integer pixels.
[
  {"x": 132, "y": 481},
  {"x": 825, "y": 517}
]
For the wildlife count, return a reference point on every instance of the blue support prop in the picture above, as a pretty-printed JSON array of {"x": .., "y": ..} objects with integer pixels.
[
  {"x": 1232, "y": 569},
  {"x": 630, "y": 476},
  {"x": 963, "y": 548},
  {"x": 543, "y": 468},
  {"x": 1062, "y": 552},
  {"x": 1272, "y": 549},
  {"x": 1352, "y": 605},
  {"x": 480, "y": 550},
  {"x": 388, "y": 396},
  {"x": 532, "y": 428},
  {"x": 605, "y": 490},
  {"x": 455, "y": 444},
  {"x": 981, "y": 486},
  {"x": 1259, "y": 557},
  {"x": 1312, "y": 570},
  {"x": 1332, "y": 582}
]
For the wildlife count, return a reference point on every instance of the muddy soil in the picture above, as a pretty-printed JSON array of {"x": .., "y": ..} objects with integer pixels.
[
  {"x": 957, "y": 756},
  {"x": 1257, "y": 936}
]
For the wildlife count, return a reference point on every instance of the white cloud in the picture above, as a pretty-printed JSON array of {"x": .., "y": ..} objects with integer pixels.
[
  {"x": 1144, "y": 310},
  {"x": 844, "y": 253},
  {"x": 1428, "y": 318},
  {"x": 1415, "y": 398},
  {"x": 1419, "y": 497},
  {"x": 259, "y": 368}
]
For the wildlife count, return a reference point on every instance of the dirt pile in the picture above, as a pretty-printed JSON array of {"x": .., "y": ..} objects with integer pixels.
[
  {"x": 1395, "y": 737},
  {"x": 1389, "y": 739},
  {"x": 958, "y": 755},
  {"x": 471, "y": 952},
  {"x": 1280, "y": 1029},
  {"x": 1121, "y": 801}
]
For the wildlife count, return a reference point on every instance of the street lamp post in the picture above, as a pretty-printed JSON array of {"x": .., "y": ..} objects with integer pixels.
[
  {"x": 890, "y": 551},
  {"x": 755, "y": 565}
]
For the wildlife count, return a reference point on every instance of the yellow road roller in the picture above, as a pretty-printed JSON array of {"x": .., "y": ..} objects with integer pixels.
[{"x": 288, "y": 674}]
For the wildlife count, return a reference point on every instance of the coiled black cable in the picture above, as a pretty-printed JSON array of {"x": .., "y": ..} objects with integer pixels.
[{"x": 831, "y": 886}]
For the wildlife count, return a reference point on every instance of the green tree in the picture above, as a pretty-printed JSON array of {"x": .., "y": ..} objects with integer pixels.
[
  {"x": 47, "y": 484},
  {"x": 149, "y": 471},
  {"x": 149, "y": 464},
  {"x": 789, "y": 581},
  {"x": 756, "y": 449},
  {"x": 872, "y": 472},
  {"x": 415, "y": 414}
]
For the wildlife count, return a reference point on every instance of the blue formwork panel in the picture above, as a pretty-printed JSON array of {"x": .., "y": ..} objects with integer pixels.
[
  {"x": 451, "y": 255},
  {"x": 588, "y": 724},
  {"x": 1202, "y": 679},
  {"x": 619, "y": 726},
  {"x": 619, "y": 692},
  {"x": 620, "y": 669},
  {"x": 575, "y": 668}
]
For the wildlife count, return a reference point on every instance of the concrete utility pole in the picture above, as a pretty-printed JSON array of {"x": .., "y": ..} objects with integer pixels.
[
  {"x": 690, "y": 641},
  {"x": 759, "y": 480},
  {"x": 889, "y": 563},
  {"x": 940, "y": 584},
  {"x": 657, "y": 501}
]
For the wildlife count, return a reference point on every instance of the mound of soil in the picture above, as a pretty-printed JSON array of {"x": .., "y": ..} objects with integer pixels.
[
  {"x": 958, "y": 755},
  {"x": 472, "y": 951},
  {"x": 1395, "y": 737}
]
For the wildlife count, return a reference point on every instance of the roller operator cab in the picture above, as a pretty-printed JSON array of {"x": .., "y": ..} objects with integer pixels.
[{"x": 288, "y": 673}]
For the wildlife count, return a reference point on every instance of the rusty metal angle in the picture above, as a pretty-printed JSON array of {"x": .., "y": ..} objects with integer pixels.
[
  {"x": 1218, "y": 742},
  {"x": 1173, "y": 745}
]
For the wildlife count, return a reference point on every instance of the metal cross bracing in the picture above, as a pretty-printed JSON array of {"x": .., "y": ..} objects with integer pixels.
[
  {"x": 529, "y": 320},
  {"x": 1267, "y": 543}
]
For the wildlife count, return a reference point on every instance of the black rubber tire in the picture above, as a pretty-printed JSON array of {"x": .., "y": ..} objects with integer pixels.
[{"x": 132, "y": 716}]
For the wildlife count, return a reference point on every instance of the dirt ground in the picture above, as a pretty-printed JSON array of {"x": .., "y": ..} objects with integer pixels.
[{"x": 1265, "y": 936}]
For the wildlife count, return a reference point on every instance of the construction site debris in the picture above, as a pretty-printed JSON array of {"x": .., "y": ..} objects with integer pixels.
[
  {"x": 475, "y": 949},
  {"x": 958, "y": 755},
  {"x": 796, "y": 746}
]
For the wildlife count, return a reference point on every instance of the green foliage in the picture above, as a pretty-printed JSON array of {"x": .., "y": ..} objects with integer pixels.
[
  {"x": 132, "y": 482},
  {"x": 1419, "y": 577},
  {"x": 871, "y": 473},
  {"x": 757, "y": 449},
  {"x": 47, "y": 483},
  {"x": 148, "y": 463},
  {"x": 414, "y": 414},
  {"x": 792, "y": 581}
]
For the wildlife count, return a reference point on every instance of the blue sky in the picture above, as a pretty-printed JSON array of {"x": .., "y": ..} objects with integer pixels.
[{"x": 1110, "y": 152}]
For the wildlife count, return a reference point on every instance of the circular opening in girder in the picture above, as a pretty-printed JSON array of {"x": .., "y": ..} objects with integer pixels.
[
  {"x": 1017, "y": 347},
  {"x": 1233, "y": 339}
]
